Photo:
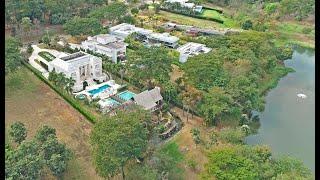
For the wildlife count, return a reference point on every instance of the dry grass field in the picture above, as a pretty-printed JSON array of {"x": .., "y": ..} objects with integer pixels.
[{"x": 32, "y": 102}]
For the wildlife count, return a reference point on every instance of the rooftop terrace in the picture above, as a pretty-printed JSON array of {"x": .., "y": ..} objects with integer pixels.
[{"x": 73, "y": 56}]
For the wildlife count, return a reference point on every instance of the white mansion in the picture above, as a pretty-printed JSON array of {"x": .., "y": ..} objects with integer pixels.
[{"x": 82, "y": 67}]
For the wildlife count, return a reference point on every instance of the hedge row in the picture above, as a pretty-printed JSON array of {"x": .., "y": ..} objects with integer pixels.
[
  {"x": 209, "y": 8},
  {"x": 65, "y": 96},
  {"x": 195, "y": 16}
]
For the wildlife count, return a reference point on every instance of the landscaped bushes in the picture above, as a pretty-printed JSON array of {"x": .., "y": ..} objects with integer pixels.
[
  {"x": 63, "y": 94},
  {"x": 46, "y": 55}
]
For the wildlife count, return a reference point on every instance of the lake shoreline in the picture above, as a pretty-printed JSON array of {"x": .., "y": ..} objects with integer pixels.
[{"x": 282, "y": 109}]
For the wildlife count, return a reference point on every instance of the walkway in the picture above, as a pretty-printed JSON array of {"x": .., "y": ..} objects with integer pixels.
[{"x": 35, "y": 55}]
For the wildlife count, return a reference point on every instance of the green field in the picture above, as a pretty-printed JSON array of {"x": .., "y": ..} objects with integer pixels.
[
  {"x": 201, "y": 23},
  {"x": 215, "y": 14}
]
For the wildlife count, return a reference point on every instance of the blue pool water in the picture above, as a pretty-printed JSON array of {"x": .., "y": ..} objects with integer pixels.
[
  {"x": 99, "y": 90},
  {"x": 126, "y": 95}
]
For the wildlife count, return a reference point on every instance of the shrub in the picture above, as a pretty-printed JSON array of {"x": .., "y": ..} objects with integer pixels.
[
  {"x": 246, "y": 25},
  {"x": 234, "y": 136},
  {"x": 29, "y": 49},
  {"x": 134, "y": 10},
  {"x": 161, "y": 128},
  {"x": 306, "y": 30},
  {"x": 192, "y": 164},
  {"x": 270, "y": 8}
]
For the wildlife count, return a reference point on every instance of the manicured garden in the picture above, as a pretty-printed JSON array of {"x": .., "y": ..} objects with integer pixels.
[{"x": 47, "y": 56}]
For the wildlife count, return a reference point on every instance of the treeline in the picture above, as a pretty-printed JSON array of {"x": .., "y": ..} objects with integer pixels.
[
  {"x": 91, "y": 24},
  {"x": 278, "y": 9},
  {"x": 48, "y": 11}
]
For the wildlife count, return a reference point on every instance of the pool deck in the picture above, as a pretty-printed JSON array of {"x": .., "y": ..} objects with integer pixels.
[{"x": 101, "y": 95}]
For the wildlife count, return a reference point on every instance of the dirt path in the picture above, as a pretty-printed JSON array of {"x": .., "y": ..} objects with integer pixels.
[{"x": 40, "y": 105}]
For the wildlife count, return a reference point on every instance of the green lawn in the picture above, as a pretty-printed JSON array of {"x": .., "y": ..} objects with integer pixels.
[
  {"x": 215, "y": 14},
  {"x": 294, "y": 28},
  {"x": 291, "y": 33},
  {"x": 181, "y": 19},
  {"x": 201, "y": 23},
  {"x": 212, "y": 14}
]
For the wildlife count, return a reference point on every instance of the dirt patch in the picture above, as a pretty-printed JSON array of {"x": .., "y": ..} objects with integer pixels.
[
  {"x": 42, "y": 106},
  {"x": 176, "y": 73},
  {"x": 191, "y": 151}
]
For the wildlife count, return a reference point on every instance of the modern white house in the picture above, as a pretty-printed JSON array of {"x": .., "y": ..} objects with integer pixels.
[
  {"x": 82, "y": 67},
  {"x": 109, "y": 45},
  {"x": 185, "y": 3},
  {"x": 191, "y": 49},
  {"x": 145, "y": 35},
  {"x": 164, "y": 38}
]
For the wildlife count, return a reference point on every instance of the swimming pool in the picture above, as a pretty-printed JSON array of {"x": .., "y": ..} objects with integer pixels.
[
  {"x": 99, "y": 90},
  {"x": 126, "y": 95}
]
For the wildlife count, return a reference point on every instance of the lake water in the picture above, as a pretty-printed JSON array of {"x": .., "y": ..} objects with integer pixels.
[{"x": 288, "y": 122}]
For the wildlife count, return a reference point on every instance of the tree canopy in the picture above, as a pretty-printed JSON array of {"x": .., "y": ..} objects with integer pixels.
[
  {"x": 83, "y": 26},
  {"x": 247, "y": 162},
  {"x": 30, "y": 157},
  {"x": 117, "y": 139},
  {"x": 152, "y": 63},
  {"x": 113, "y": 12},
  {"x": 18, "y": 132},
  {"x": 13, "y": 56}
]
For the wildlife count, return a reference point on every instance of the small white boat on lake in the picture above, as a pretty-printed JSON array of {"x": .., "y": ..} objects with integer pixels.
[{"x": 303, "y": 96}]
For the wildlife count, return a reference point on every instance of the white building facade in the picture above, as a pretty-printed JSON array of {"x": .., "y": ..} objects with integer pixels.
[
  {"x": 109, "y": 45},
  {"x": 191, "y": 49},
  {"x": 185, "y": 3},
  {"x": 82, "y": 67},
  {"x": 145, "y": 35}
]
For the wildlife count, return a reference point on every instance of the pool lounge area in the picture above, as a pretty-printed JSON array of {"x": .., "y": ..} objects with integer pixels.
[
  {"x": 102, "y": 91},
  {"x": 126, "y": 95},
  {"x": 109, "y": 103}
]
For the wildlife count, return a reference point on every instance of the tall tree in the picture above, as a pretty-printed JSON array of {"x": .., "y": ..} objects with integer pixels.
[
  {"x": 26, "y": 24},
  {"x": 18, "y": 132},
  {"x": 151, "y": 64},
  {"x": 213, "y": 103},
  {"x": 118, "y": 139},
  {"x": 13, "y": 56}
]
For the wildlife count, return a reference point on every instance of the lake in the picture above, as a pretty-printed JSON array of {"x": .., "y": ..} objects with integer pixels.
[{"x": 288, "y": 122}]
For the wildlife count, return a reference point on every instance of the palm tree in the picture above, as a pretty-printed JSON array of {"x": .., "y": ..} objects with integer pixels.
[{"x": 70, "y": 84}]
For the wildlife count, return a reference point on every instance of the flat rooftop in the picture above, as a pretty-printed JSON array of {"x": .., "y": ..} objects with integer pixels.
[
  {"x": 114, "y": 45},
  {"x": 164, "y": 37},
  {"x": 73, "y": 56},
  {"x": 191, "y": 47}
]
